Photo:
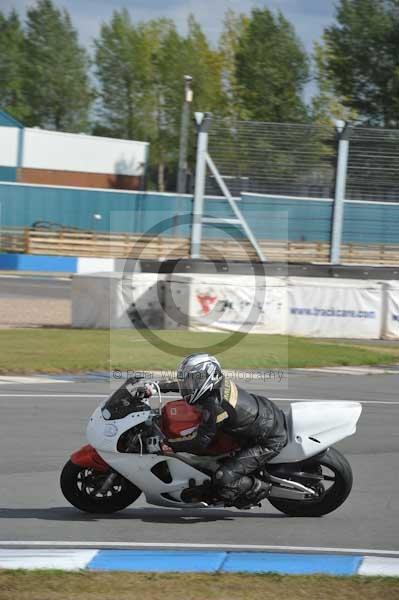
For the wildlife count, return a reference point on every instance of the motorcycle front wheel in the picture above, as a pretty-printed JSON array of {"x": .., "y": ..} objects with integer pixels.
[
  {"x": 337, "y": 480},
  {"x": 81, "y": 486}
]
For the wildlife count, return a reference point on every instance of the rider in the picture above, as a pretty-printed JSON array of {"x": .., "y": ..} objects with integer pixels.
[{"x": 255, "y": 421}]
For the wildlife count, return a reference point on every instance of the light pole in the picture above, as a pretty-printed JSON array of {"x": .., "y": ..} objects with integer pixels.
[{"x": 185, "y": 116}]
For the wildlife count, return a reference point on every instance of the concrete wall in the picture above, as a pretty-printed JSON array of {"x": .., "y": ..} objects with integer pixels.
[{"x": 299, "y": 306}]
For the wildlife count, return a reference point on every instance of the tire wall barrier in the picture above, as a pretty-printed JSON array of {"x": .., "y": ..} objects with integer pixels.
[{"x": 309, "y": 307}]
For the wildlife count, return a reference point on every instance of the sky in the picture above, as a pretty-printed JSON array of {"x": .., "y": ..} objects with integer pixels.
[{"x": 309, "y": 17}]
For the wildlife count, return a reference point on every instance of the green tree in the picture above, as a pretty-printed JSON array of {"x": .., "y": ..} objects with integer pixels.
[
  {"x": 271, "y": 69},
  {"x": 56, "y": 83},
  {"x": 362, "y": 58},
  {"x": 161, "y": 106},
  {"x": 205, "y": 65},
  {"x": 233, "y": 29},
  {"x": 11, "y": 66},
  {"x": 140, "y": 69},
  {"x": 134, "y": 66},
  {"x": 123, "y": 69},
  {"x": 327, "y": 105},
  {"x": 174, "y": 57}
]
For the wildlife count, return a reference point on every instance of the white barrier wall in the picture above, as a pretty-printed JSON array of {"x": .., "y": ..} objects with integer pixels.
[
  {"x": 108, "y": 300},
  {"x": 391, "y": 305},
  {"x": 53, "y": 150},
  {"x": 319, "y": 307},
  {"x": 91, "y": 300},
  {"x": 89, "y": 264},
  {"x": 296, "y": 306},
  {"x": 226, "y": 303}
]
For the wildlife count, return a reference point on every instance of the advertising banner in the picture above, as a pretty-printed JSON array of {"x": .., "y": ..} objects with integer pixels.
[
  {"x": 339, "y": 309},
  {"x": 391, "y": 321},
  {"x": 238, "y": 303}
]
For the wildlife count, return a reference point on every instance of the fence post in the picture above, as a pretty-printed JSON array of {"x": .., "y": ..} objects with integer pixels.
[
  {"x": 203, "y": 121},
  {"x": 344, "y": 130}
]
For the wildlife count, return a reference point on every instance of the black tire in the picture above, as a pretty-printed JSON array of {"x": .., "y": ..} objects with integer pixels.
[
  {"x": 334, "y": 496},
  {"x": 76, "y": 482}
]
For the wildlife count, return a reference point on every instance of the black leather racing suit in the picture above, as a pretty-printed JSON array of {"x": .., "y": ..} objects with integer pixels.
[{"x": 255, "y": 421}]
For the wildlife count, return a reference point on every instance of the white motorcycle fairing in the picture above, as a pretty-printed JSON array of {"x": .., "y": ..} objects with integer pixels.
[{"x": 312, "y": 428}]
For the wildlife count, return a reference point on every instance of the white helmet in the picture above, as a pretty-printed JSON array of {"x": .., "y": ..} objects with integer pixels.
[{"x": 197, "y": 375}]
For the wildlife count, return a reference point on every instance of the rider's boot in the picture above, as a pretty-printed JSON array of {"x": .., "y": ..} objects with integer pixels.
[{"x": 258, "y": 492}]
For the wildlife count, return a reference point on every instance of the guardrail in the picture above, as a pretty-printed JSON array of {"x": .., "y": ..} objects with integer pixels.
[{"x": 124, "y": 245}]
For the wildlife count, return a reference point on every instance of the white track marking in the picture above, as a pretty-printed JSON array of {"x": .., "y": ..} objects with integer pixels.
[
  {"x": 38, "y": 396},
  {"x": 36, "y": 278},
  {"x": 65, "y": 559},
  {"x": 350, "y": 371},
  {"x": 76, "y": 395},
  {"x": 379, "y": 566},
  {"x": 8, "y": 380},
  {"x": 177, "y": 545},
  {"x": 275, "y": 399}
]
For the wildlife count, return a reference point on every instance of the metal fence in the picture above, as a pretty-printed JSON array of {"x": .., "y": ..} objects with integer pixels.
[
  {"x": 300, "y": 160},
  {"x": 273, "y": 158},
  {"x": 260, "y": 162},
  {"x": 373, "y": 165}
]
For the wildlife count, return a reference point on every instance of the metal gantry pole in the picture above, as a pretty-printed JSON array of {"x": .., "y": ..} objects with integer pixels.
[
  {"x": 184, "y": 130},
  {"x": 240, "y": 220},
  {"x": 202, "y": 120},
  {"x": 344, "y": 130}
]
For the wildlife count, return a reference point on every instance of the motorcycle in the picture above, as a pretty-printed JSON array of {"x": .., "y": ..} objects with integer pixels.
[{"x": 125, "y": 458}]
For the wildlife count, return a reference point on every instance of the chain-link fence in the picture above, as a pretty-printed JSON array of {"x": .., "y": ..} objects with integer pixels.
[
  {"x": 273, "y": 158},
  {"x": 300, "y": 160},
  {"x": 373, "y": 165}
]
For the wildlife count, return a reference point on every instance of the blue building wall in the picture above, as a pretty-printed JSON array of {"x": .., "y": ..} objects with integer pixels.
[
  {"x": 277, "y": 218},
  {"x": 274, "y": 218},
  {"x": 8, "y": 173},
  {"x": 22, "y": 205}
]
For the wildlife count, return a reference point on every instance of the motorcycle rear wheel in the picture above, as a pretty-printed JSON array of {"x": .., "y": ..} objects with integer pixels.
[
  {"x": 79, "y": 485},
  {"x": 336, "y": 495}
]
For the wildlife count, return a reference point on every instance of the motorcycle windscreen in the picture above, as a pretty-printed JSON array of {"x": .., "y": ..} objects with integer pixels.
[{"x": 121, "y": 404}]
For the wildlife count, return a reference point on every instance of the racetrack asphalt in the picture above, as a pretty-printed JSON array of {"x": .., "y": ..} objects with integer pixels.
[{"x": 41, "y": 424}]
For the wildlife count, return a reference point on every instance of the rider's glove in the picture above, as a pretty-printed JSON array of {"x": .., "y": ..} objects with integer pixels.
[
  {"x": 149, "y": 389},
  {"x": 135, "y": 389},
  {"x": 165, "y": 448}
]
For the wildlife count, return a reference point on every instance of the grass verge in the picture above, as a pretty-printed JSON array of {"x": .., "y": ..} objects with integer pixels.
[
  {"x": 57, "y": 585},
  {"x": 68, "y": 350}
]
